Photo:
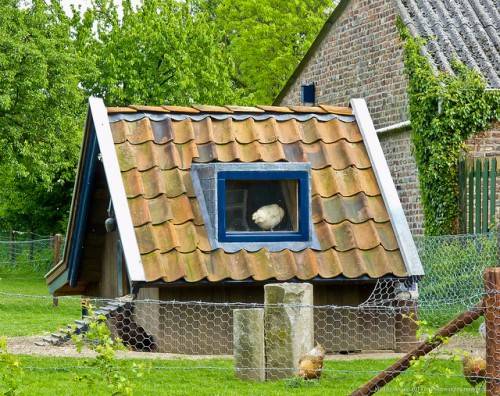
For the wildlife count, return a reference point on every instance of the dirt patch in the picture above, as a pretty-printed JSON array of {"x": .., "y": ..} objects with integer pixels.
[{"x": 34, "y": 345}]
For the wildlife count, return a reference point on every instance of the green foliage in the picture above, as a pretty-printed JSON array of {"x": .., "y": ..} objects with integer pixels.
[
  {"x": 162, "y": 52},
  {"x": 156, "y": 52},
  {"x": 424, "y": 369},
  {"x": 11, "y": 371},
  {"x": 445, "y": 110},
  {"x": 267, "y": 38},
  {"x": 116, "y": 377},
  {"x": 41, "y": 109}
]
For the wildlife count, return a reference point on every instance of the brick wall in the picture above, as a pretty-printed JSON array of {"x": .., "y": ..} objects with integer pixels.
[
  {"x": 359, "y": 57},
  {"x": 487, "y": 143},
  {"x": 397, "y": 149}
]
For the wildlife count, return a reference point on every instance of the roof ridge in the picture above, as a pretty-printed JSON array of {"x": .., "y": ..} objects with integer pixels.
[{"x": 230, "y": 109}]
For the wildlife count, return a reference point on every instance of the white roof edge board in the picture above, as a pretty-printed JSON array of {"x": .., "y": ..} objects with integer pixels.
[
  {"x": 117, "y": 190},
  {"x": 387, "y": 188}
]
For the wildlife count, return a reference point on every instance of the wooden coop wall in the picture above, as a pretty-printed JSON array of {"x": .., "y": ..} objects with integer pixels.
[{"x": 201, "y": 329}]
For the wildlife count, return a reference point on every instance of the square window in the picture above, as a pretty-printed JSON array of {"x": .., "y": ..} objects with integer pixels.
[{"x": 263, "y": 206}]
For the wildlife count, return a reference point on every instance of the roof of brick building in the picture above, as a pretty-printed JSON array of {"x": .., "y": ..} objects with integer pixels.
[{"x": 466, "y": 30}]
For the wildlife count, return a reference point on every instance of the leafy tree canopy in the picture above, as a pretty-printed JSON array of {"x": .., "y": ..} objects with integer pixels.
[
  {"x": 163, "y": 51},
  {"x": 267, "y": 39},
  {"x": 41, "y": 111}
]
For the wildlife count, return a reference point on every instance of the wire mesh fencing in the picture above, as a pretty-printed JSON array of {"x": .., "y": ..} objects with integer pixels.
[
  {"x": 345, "y": 343},
  {"x": 26, "y": 252}
]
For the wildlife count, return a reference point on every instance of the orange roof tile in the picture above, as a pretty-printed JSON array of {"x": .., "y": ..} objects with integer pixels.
[{"x": 155, "y": 155}]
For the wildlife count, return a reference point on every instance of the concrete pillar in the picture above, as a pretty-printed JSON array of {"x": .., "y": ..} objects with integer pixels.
[
  {"x": 405, "y": 333},
  {"x": 248, "y": 342},
  {"x": 288, "y": 327}
]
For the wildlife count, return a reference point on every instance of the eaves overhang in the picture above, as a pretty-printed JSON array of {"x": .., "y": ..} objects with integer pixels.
[
  {"x": 97, "y": 141},
  {"x": 390, "y": 196}
]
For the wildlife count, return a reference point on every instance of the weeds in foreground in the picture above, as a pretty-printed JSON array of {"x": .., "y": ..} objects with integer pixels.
[
  {"x": 11, "y": 372},
  {"x": 117, "y": 376}
]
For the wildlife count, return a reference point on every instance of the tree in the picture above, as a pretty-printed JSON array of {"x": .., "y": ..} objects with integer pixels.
[
  {"x": 41, "y": 114},
  {"x": 162, "y": 52},
  {"x": 267, "y": 39}
]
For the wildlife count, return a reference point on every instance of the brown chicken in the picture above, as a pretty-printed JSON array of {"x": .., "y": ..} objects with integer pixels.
[
  {"x": 311, "y": 364},
  {"x": 474, "y": 369}
]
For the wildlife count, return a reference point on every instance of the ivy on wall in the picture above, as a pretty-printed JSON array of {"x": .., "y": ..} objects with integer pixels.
[{"x": 445, "y": 110}]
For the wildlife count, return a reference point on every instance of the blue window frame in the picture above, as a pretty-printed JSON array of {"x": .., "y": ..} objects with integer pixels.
[{"x": 302, "y": 229}]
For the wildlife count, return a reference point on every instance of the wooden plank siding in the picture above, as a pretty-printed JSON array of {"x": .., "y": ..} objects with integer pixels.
[
  {"x": 199, "y": 329},
  {"x": 477, "y": 194}
]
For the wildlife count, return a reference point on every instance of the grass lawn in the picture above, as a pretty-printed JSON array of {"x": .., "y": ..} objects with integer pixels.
[
  {"x": 56, "y": 376},
  {"x": 21, "y": 315}
]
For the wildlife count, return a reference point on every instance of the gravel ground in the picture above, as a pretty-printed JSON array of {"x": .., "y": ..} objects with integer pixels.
[{"x": 28, "y": 346}]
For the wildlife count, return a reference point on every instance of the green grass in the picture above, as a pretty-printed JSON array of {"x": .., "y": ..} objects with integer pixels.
[
  {"x": 21, "y": 315},
  {"x": 56, "y": 376}
]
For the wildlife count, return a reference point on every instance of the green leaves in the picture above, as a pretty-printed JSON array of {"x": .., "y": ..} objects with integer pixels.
[
  {"x": 41, "y": 109},
  {"x": 445, "y": 110},
  {"x": 163, "y": 52},
  {"x": 157, "y": 52},
  {"x": 267, "y": 39},
  {"x": 11, "y": 373}
]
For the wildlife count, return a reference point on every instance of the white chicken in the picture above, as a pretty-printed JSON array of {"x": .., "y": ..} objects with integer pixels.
[{"x": 269, "y": 216}]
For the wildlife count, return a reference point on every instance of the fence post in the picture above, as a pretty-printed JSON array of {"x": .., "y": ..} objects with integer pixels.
[
  {"x": 32, "y": 246},
  {"x": 492, "y": 318},
  {"x": 57, "y": 249},
  {"x": 56, "y": 257},
  {"x": 12, "y": 247}
]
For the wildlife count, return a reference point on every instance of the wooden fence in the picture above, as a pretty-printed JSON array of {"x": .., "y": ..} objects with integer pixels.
[{"x": 477, "y": 194}]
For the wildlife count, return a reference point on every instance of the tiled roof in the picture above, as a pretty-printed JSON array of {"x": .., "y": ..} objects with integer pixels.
[
  {"x": 463, "y": 29},
  {"x": 156, "y": 146}
]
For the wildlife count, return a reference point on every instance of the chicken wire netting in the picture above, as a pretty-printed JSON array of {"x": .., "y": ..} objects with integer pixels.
[{"x": 345, "y": 343}]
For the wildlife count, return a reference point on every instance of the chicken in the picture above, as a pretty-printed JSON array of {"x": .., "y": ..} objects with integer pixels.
[
  {"x": 482, "y": 330},
  {"x": 269, "y": 216},
  {"x": 474, "y": 369},
  {"x": 311, "y": 364}
]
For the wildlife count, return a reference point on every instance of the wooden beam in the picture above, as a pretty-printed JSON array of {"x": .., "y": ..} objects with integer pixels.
[
  {"x": 492, "y": 319},
  {"x": 422, "y": 349}
]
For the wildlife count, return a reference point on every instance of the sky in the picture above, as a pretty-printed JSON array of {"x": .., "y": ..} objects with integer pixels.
[
  {"x": 67, "y": 4},
  {"x": 83, "y": 3}
]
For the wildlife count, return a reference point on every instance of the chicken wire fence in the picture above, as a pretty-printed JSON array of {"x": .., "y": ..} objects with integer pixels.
[{"x": 391, "y": 316}]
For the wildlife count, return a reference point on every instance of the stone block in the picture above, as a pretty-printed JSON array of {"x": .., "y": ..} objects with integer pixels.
[
  {"x": 248, "y": 344},
  {"x": 288, "y": 327}
]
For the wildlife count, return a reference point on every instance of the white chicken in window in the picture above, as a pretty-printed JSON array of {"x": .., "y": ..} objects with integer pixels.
[{"x": 268, "y": 217}]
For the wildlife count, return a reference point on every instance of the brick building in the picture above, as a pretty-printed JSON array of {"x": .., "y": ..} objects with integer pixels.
[{"x": 358, "y": 53}]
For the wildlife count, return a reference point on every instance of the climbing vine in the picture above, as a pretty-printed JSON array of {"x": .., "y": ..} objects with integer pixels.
[{"x": 445, "y": 110}]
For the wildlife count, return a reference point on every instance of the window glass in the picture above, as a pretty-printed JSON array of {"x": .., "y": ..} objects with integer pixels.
[{"x": 261, "y": 205}]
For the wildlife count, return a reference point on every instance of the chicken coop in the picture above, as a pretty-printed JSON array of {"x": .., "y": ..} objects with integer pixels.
[{"x": 210, "y": 203}]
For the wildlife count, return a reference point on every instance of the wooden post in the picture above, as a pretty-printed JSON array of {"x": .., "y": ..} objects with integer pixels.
[
  {"x": 492, "y": 318},
  {"x": 422, "y": 349},
  {"x": 12, "y": 247},
  {"x": 56, "y": 257},
  {"x": 477, "y": 194},
  {"x": 493, "y": 189},
  {"x": 470, "y": 201},
  {"x": 32, "y": 246}
]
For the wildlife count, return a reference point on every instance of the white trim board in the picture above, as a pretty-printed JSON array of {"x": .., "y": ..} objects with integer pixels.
[
  {"x": 387, "y": 188},
  {"x": 117, "y": 190}
]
